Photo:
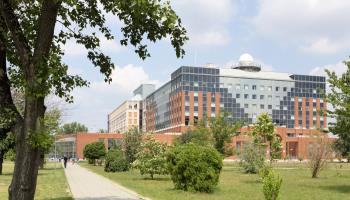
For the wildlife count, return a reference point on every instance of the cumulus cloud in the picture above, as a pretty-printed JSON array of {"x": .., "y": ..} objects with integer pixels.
[
  {"x": 207, "y": 21},
  {"x": 338, "y": 68},
  {"x": 314, "y": 26}
]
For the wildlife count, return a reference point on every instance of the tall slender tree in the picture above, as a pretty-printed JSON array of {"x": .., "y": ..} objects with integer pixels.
[{"x": 33, "y": 46}]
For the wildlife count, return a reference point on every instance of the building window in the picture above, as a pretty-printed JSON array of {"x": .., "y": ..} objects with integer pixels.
[
  {"x": 269, "y": 107},
  {"x": 284, "y": 89},
  {"x": 269, "y": 88},
  {"x": 254, "y": 87},
  {"x": 262, "y": 106},
  {"x": 195, "y": 84},
  {"x": 254, "y": 96},
  {"x": 262, "y": 87},
  {"x": 246, "y": 96},
  {"x": 238, "y": 86},
  {"x": 262, "y": 97},
  {"x": 246, "y": 87},
  {"x": 277, "y": 89},
  {"x": 254, "y": 106},
  {"x": 269, "y": 97},
  {"x": 246, "y": 105},
  {"x": 238, "y": 96},
  {"x": 195, "y": 94}
]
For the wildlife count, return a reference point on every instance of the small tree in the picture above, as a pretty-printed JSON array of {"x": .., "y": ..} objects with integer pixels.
[
  {"x": 194, "y": 168},
  {"x": 115, "y": 161},
  {"x": 199, "y": 134},
  {"x": 94, "y": 151},
  {"x": 263, "y": 132},
  {"x": 73, "y": 128},
  {"x": 252, "y": 158},
  {"x": 151, "y": 158},
  {"x": 271, "y": 185},
  {"x": 319, "y": 152},
  {"x": 222, "y": 131},
  {"x": 131, "y": 144}
]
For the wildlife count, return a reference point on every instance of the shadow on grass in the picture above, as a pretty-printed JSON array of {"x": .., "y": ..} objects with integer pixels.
[
  {"x": 337, "y": 188},
  {"x": 155, "y": 179},
  {"x": 6, "y": 174}
]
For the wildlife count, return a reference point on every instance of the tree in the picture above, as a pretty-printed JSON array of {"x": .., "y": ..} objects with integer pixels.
[
  {"x": 151, "y": 159},
  {"x": 194, "y": 168},
  {"x": 339, "y": 98},
  {"x": 116, "y": 161},
  {"x": 94, "y": 151},
  {"x": 73, "y": 128},
  {"x": 198, "y": 134},
  {"x": 33, "y": 47},
  {"x": 263, "y": 132},
  {"x": 222, "y": 131},
  {"x": 132, "y": 144},
  {"x": 271, "y": 185},
  {"x": 252, "y": 159},
  {"x": 318, "y": 153}
]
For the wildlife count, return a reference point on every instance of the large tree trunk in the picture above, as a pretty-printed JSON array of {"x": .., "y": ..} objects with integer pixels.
[
  {"x": 27, "y": 158},
  {"x": 1, "y": 161}
]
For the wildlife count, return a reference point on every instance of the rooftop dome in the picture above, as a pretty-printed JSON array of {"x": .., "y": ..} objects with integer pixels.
[
  {"x": 246, "y": 63},
  {"x": 246, "y": 58}
]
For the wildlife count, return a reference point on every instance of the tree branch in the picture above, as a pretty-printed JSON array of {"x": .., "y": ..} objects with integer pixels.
[
  {"x": 11, "y": 21},
  {"x": 47, "y": 22}
]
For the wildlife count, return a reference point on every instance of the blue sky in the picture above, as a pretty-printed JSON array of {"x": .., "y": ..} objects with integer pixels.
[{"x": 295, "y": 36}]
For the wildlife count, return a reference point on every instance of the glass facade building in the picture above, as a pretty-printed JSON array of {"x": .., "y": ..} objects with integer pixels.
[{"x": 194, "y": 93}]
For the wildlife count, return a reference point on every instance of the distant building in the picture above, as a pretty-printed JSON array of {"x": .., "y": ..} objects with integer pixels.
[{"x": 129, "y": 114}]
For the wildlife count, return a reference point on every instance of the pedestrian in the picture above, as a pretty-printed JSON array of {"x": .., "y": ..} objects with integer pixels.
[{"x": 65, "y": 159}]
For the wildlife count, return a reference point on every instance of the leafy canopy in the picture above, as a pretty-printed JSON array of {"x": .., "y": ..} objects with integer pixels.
[
  {"x": 339, "y": 98},
  {"x": 73, "y": 128}
]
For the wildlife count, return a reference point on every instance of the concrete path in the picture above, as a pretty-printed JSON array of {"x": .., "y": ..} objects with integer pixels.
[{"x": 86, "y": 185}]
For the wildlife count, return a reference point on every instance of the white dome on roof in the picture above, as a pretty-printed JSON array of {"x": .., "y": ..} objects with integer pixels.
[{"x": 246, "y": 58}]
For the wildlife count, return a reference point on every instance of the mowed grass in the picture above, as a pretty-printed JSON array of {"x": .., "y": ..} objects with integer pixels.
[
  {"x": 333, "y": 183},
  {"x": 52, "y": 184}
]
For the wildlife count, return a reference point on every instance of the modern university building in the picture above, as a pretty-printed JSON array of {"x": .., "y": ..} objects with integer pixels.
[{"x": 294, "y": 102}]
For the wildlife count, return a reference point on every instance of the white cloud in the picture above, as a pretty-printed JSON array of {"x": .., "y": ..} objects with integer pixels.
[
  {"x": 207, "y": 21},
  {"x": 314, "y": 26},
  {"x": 338, "y": 68}
]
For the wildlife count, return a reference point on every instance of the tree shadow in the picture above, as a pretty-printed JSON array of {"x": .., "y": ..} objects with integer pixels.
[
  {"x": 6, "y": 174},
  {"x": 337, "y": 188},
  {"x": 60, "y": 198}
]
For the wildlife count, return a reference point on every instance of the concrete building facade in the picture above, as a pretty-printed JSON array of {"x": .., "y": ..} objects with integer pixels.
[{"x": 125, "y": 117}]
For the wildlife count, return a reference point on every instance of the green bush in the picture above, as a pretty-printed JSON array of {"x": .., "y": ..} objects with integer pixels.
[
  {"x": 252, "y": 158},
  {"x": 115, "y": 161},
  {"x": 194, "y": 168},
  {"x": 94, "y": 151},
  {"x": 10, "y": 155},
  {"x": 151, "y": 157},
  {"x": 131, "y": 144},
  {"x": 271, "y": 185}
]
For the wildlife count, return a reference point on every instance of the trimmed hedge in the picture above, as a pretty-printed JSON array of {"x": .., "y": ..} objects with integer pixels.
[{"x": 194, "y": 168}]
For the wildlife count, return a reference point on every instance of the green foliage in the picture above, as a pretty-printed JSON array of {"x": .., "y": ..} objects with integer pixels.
[
  {"x": 151, "y": 159},
  {"x": 276, "y": 148},
  {"x": 199, "y": 134},
  {"x": 94, "y": 151},
  {"x": 222, "y": 131},
  {"x": 41, "y": 138},
  {"x": 131, "y": 144},
  {"x": 339, "y": 98},
  {"x": 271, "y": 185},
  {"x": 115, "y": 161},
  {"x": 264, "y": 130},
  {"x": 10, "y": 155},
  {"x": 252, "y": 158},
  {"x": 73, "y": 128},
  {"x": 194, "y": 167}
]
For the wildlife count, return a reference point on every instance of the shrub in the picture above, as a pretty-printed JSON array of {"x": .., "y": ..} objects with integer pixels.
[
  {"x": 194, "y": 168},
  {"x": 94, "y": 151},
  {"x": 10, "y": 155},
  {"x": 115, "y": 161},
  {"x": 318, "y": 153},
  {"x": 151, "y": 157},
  {"x": 271, "y": 185},
  {"x": 252, "y": 158},
  {"x": 199, "y": 134},
  {"x": 131, "y": 144},
  {"x": 264, "y": 171}
]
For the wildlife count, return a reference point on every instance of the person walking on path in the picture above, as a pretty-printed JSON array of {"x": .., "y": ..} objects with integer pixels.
[{"x": 65, "y": 159}]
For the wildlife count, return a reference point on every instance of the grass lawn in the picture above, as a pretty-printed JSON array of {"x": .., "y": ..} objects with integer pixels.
[
  {"x": 297, "y": 184},
  {"x": 52, "y": 183}
]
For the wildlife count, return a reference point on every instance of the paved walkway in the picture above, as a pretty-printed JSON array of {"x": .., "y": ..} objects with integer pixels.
[{"x": 86, "y": 185}]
